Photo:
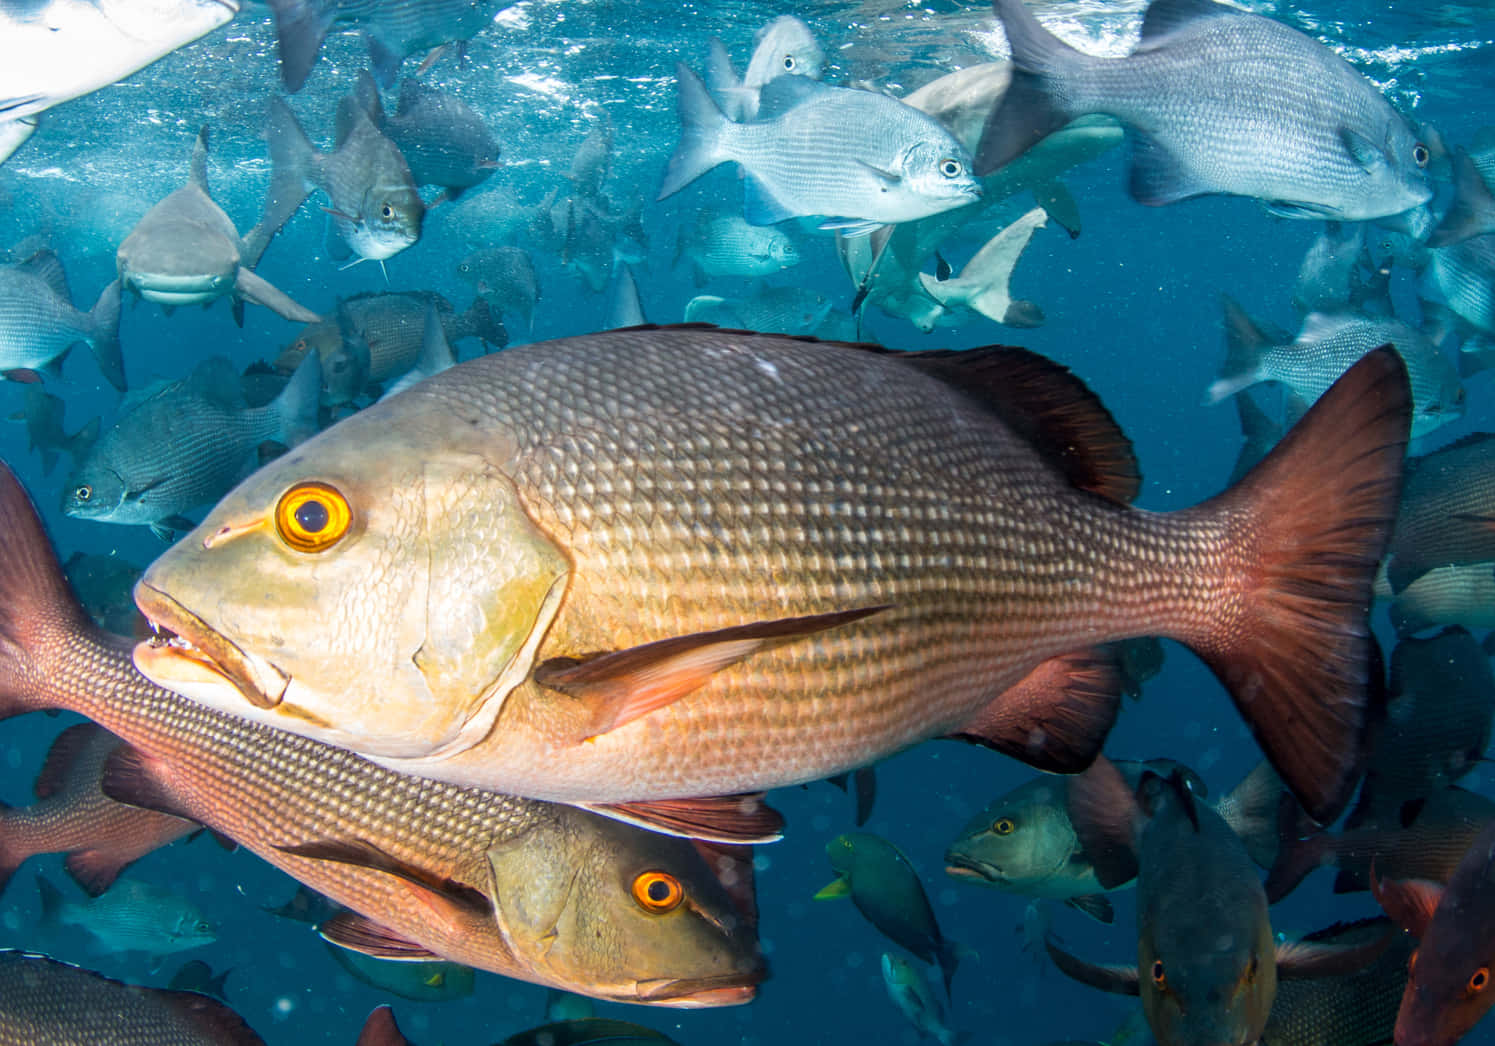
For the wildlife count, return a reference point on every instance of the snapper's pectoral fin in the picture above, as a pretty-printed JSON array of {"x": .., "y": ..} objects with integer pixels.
[
  {"x": 1057, "y": 717},
  {"x": 1410, "y": 902},
  {"x": 363, "y": 854},
  {"x": 358, "y": 933},
  {"x": 1118, "y": 980},
  {"x": 131, "y": 777},
  {"x": 1313, "y": 958},
  {"x": 732, "y": 819},
  {"x": 625, "y": 685}
]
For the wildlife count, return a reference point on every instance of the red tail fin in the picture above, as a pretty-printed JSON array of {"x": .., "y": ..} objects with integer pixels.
[
  {"x": 1303, "y": 533},
  {"x": 37, "y": 607}
]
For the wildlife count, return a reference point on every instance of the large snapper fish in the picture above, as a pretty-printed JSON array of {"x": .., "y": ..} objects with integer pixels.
[{"x": 665, "y": 563}]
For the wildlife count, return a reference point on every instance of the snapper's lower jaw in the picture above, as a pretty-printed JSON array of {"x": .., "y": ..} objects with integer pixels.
[{"x": 187, "y": 656}]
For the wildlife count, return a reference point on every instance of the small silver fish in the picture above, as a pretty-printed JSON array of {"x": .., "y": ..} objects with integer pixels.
[
  {"x": 783, "y": 47},
  {"x": 505, "y": 278},
  {"x": 910, "y": 993},
  {"x": 718, "y": 244},
  {"x": 772, "y": 310},
  {"x": 38, "y": 322},
  {"x": 444, "y": 141},
  {"x": 131, "y": 917}
]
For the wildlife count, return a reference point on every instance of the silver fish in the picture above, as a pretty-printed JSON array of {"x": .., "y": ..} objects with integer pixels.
[
  {"x": 131, "y": 917},
  {"x": 1462, "y": 277},
  {"x": 444, "y": 141},
  {"x": 1218, "y": 100},
  {"x": 505, "y": 278},
  {"x": 772, "y": 310},
  {"x": 436, "y": 355},
  {"x": 856, "y": 158},
  {"x": 783, "y": 47},
  {"x": 61, "y": 49},
  {"x": 910, "y": 993},
  {"x": 184, "y": 444},
  {"x": 718, "y": 244},
  {"x": 38, "y": 322}
]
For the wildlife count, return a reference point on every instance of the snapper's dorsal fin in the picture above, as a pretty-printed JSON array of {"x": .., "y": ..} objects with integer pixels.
[
  {"x": 1048, "y": 407},
  {"x": 1167, "y": 16},
  {"x": 63, "y": 756}
]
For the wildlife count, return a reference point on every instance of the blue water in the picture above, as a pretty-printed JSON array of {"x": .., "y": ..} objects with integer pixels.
[{"x": 1132, "y": 305}]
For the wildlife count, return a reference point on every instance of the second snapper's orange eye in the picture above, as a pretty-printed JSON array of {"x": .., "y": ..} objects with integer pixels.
[
  {"x": 658, "y": 892},
  {"x": 1159, "y": 979},
  {"x": 311, "y": 517},
  {"x": 1479, "y": 980}
]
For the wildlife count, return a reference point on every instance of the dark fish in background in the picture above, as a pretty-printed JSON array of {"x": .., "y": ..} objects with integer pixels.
[
  {"x": 590, "y": 1031},
  {"x": 197, "y": 976},
  {"x": 1355, "y": 1009},
  {"x": 371, "y": 194},
  {"x": 662, "y": 926},
  {"x": 1462, "y": 278},
  {"x": 1448, "y": 987},
  {"x": 38, "y": 323},
  {"x": 1331, "y": 272},
  {"x": 885, "y": 888},
  {"x": 1138, "y": 660},
  {"x": 306, "y": 906},
  {"x": 592, "y": 163},
  {"x": 593, "y": 245},
  {"x": 436, "y": 355},
  {"x": 72, "y": 815},
  {"x": 182, "y": 444},
  {"x": 131, "y": 916},
  {"x": 1218, "y": 100},
  {"x": 1207, "y": 961},
  {"x": 783, "y": 47},
  {"x": 911, "y": 994},
  {"x": 1260, "y": 432},
  {"x": 1461, "y": 595},
  {"x": 67, "y": 1004},
  {"x": 43, "y": 412},
  {"x": 106, "y": 587},
  {"x": 863, "y": 784},
  {"x": 1472, "y": 212},
  {"x": 505, "y": 278},
  {"x": 395, "y": 29},
  {"x": 1269, "y": 581},
  {"x": 186, "y": 251},
  {"x": 434, "y": 981},
  {"x": 1447, "y": 513},
  {"x": 444, "y": 141}
]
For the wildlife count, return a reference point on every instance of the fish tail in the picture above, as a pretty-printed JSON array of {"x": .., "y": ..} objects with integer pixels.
[
  {"x": 300, "y": 26},
  {"x": 292, "y": 166},
  {"x": 104, "y": 321},
  {"x": 701, "y": 125},
  {"x": 38, "y": 611},
  {"x": 1245, "y": 346},
  {"x": 983, "y": 285},
  {"x": 1297, "y": 857},
  {"x": 1037, "y": 101},
  {"x": 1255, "y": 810},
  {"x": 1296, "y": 543},
  {"x": 1472, "y": 212},
  {"x": 296, "y": 406}
]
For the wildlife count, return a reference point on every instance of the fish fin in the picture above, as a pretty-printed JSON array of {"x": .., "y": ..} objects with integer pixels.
[
  {"x": 104, "y": 335},
  {"x": 885, "y": 177},
  {"x": 1057, "y": 717},
  {"x": 1033, "y": 106},
  {"x": 296, "y": 407},
  {"x": 1047, "y": 406},
  {"x": 983, "y": 285},
  {"x": 23, "y": 376},
  {"x": 942, "y": 269},
  {"x": 385, "y": 62},
  {"x": 1166, "y": 16},
  {"x": 1473, "y": 533},
  {"x": 849, "y": 227},
  {"x": 1472, "y": 212},
  {"x": 1103, "y": 809},
  {"x": 1259, "y": 434},
  {"x": 49, "y": 897},
  {"x": 93, "y": 870},
  {"x": 236, "y": 307},
  {"x": 214, "y": 1020},
  {"x": 1059, "y": 204},
  {"x": 46, "y": 266},
  {"x": 865, "y": 782},
  {"x": 133, "y": 778},
  {"x": 1095, "y": 905},
  {"x": 1299, "y": 210},
  {"x": 835, "y": 890},
  {"x": 358, "y": 933},
  {"x": 1307, "y": 527},
  {"x": 199, "y": 164},
  {"x": 949, "y": 957},
  {"x": 1410, "y": 902},
  {"x": 300, "y": 27},
  {"x": 718, "y": 818},
  {"x": 761, "y": 207},
  {"x": 1118, "y": 980},
  {"x": 1362, "y": 150},
  {"x": 1253, "y": 810},
  {"x": 783, "y": 93},
  {"x": 722, "y": 79},
  {"x": 1298, "y": 855},
  {"x": 38, "y": 612},
  {"x": 625, "y": 685},
  {"x": 366, "y": 94},
  {"x": 1245, "y": 346},
  {"x": 701, "y": 125},
  {"x": 380, "y": 1029},
  {"x": 255, "y": 288},
  {"x": 68, "y": 747},
  {"x": 293, "y": 161},
  {"x": 362, "y": 854},
  {"x": 1304, "y": 959},
  {"x": 1158, "y": 177}
]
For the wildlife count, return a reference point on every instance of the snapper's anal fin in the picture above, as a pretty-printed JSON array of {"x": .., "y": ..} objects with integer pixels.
[
  {"x": 733, "y": 819},
  {"x": 358, "y": 933}
]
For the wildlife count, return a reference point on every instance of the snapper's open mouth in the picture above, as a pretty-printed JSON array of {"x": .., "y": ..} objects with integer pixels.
[
  {"x": 960, "y": 866},
  {"x": 183, "y": 653}
]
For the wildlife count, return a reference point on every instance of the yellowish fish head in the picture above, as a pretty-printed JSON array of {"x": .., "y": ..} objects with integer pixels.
[
  {"x": 379, "y": 592},
  {"x": 640, "y": 917},
  {"x": 1021, "y": 841},
  {"x": 1214, "y": 990}
]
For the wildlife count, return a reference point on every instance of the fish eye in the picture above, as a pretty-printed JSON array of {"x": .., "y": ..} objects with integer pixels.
[
  {"x": 1158, "y": 979},
  {"x": 387, "y": 211},
  {"x": 1479, "y": 980},
  {"x": 83, "y": 493},
  {"x": 788, "y": 62},
  {"x": 1420, "y": 155},
  {"x": 952, "y": 168},
  {"x": 311, "y": 517},
  {"x": 1003, "y": 826},
  {"x": 464, "y": 267},
  {"x": 658, "y": 892}
]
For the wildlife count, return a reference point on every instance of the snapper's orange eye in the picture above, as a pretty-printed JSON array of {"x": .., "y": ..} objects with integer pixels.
[
  {"x": 658, "y": 892},
  {"x": 1479, "y": 980},
  {"x": 1158, "y": 977},
  {"x": 311, "y": 517},
  {"x": 1003, "y": 826}
]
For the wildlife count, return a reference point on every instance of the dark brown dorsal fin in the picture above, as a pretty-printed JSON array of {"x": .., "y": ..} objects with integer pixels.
[
  {"x": 214, "y": 1019},
  {"x": 381, "y": 1030},
  {"x": 366, "y": 855},
  {"x": 130, "y": 778},
  {"x": 1047, "y": 406},
  {"x": 63, "y": 756}
]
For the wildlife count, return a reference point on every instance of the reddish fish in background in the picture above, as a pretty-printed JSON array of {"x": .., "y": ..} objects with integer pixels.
[
  {"x": 1448, "y": 985},
  {"x": 683, "y": 562},
  {"x": 72, "y": 815}
]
